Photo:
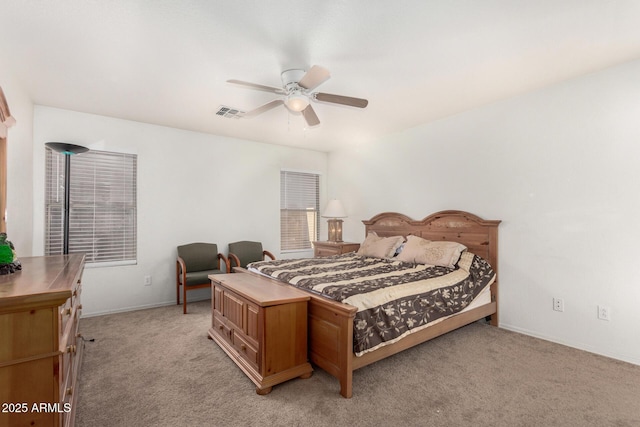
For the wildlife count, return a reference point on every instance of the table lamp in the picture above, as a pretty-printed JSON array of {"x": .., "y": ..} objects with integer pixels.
[{"x": 334, "y": 212}]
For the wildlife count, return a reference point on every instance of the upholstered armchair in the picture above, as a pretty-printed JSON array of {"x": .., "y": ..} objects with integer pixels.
[
  {"x": 245, "y": 252},
  {"x": 196, "y": 261}
]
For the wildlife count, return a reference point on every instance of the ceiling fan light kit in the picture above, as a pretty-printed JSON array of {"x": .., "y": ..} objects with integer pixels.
[
  {"x": 296, "y": 102},
  {"x": 297, "y": 87}
]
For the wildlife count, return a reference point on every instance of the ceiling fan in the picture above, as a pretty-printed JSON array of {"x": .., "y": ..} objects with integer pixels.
[{"x": 297, "y": 88}]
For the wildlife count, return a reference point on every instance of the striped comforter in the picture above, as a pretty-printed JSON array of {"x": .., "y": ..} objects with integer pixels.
[{"x": 393, "y": 298}]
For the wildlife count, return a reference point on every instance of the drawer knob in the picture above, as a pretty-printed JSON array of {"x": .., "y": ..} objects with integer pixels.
[
  {"x": 71, "y": 349},
  {"x": 69, "y": 391},
  {"x": 243, "y": 348}
]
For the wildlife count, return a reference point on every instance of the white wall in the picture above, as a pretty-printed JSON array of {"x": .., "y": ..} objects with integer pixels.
[
  {"x": 561, "y": 169},
  {"x": 191, "y": 187},
  {"x": 19, "y": 164}
]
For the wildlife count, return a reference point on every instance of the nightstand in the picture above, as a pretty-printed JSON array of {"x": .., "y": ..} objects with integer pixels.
[{"x": 321, "y": 249}]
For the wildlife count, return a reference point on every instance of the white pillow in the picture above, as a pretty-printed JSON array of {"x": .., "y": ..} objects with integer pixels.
[
  {"x": 380, "y": 247},
  {"x": 422, "y": 251}
]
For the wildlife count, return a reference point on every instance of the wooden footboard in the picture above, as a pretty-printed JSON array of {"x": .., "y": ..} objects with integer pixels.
[{"x": 331, "y": 338}]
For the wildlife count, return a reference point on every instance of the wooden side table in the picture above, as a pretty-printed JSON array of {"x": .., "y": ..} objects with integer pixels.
[{"x": 321, "y": 249}]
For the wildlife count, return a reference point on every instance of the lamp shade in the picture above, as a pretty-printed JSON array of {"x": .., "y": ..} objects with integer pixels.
[
  {"x": 334, "y": 210},
  {"x": 296, "y": 102},
  {"x": 66, "y": 148}
]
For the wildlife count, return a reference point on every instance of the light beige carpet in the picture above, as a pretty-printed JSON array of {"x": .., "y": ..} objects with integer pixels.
[{"x": 156, "y": 367}]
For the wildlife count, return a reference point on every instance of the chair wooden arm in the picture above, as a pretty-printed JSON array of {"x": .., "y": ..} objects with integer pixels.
[
  {"x": 181, "y": 271},
  {"x": 269, "y": 254},
  {"x": 233, "y": 259},
  {"x": 226, "y": 261}
]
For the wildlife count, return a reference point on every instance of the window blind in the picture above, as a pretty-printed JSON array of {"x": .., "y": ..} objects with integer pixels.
[
  {"x": 103, "y": 211},
  {"x": 299, "y": 210}
]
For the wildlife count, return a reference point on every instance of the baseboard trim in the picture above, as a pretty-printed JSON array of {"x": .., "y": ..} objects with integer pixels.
[
  {"x": 137, "y": 307},
  {"x": 620, "y": 357}
]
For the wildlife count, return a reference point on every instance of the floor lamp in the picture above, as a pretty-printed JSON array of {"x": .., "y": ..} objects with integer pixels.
[{"x": 68, "y": 150}]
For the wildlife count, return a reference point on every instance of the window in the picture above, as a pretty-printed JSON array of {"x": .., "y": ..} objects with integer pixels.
[
  {"x": 102, "y": 202},
  {"x": 299, "y": 210}
]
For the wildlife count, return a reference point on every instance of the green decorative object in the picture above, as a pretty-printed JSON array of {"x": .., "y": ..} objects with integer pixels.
[
  {"x": 8, "y": 262},
  {"x": 6, "y": 254}
]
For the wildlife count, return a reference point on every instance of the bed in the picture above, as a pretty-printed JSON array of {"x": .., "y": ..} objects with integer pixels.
[{"x": 331, "y": 323}]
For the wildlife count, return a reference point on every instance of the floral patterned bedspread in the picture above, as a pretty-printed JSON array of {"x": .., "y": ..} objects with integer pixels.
[{"x": 392, "y": 297}]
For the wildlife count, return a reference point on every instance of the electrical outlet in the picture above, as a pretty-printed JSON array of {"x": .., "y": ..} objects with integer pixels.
[
  {"x": 558, "y": 304},
  {"x": 147, "y": 280},
  {"x": 604, "y": 312}
]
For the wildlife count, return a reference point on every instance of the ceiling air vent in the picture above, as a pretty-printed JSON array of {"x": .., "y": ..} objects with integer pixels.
[{"x": 229, "y": 113}]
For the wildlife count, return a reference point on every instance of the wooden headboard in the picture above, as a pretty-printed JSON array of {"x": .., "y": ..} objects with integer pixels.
[{"x": 478, "y": 235}]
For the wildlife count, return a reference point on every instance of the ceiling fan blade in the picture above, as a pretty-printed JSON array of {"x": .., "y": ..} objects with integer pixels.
[
  {"x": 314, "y": 77},
  {"x": 266, "y": 107},
  {"x": 256, "y": 86},
  {"x": 310, "y": 116},
  {"x": 339, "y": 99}
]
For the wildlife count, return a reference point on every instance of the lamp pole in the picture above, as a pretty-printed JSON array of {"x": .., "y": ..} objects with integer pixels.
[{"x": 68, "y": 150}]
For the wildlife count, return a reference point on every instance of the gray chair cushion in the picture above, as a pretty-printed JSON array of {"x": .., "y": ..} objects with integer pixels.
[
  {"x": 199, "y": 256},
  {"x": 247, "y": 252},
  {"x": 200, "y": 277}
]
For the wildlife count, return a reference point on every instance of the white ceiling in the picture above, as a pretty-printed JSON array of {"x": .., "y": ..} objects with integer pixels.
[{"x": 166, "y": 62}]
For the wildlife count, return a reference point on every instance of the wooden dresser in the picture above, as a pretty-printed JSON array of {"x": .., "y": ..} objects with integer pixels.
[
  {"x": 321, "y": 249},
  {"x": 40, "y": 346},
  {"x": 262, "y": 326}
]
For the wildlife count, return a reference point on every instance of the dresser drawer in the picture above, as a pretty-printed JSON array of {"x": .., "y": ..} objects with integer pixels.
[
  {"x": 66, "y": 313},
  {"x": 67, "y": 383},
  {"x": 323, "y": 249},
  {"x": 75, "y": 297},
  {"x": 320, "y": 252},
  {"x": 245, "y": 349},
  {"x": 71, "y": 305},
  {"x": 222, "y": 329},
  {"x": 68, "y": 360},
  {"x": 69, "y": 329}
]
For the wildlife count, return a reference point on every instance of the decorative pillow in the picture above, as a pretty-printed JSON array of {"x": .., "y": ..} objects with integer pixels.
[
  {"x": 380, "y": 247},
  {"x": 422, "y": 251}
]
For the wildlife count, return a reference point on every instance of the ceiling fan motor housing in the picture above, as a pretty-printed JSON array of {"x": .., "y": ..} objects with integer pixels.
[{"x": 290, "y": 79}]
